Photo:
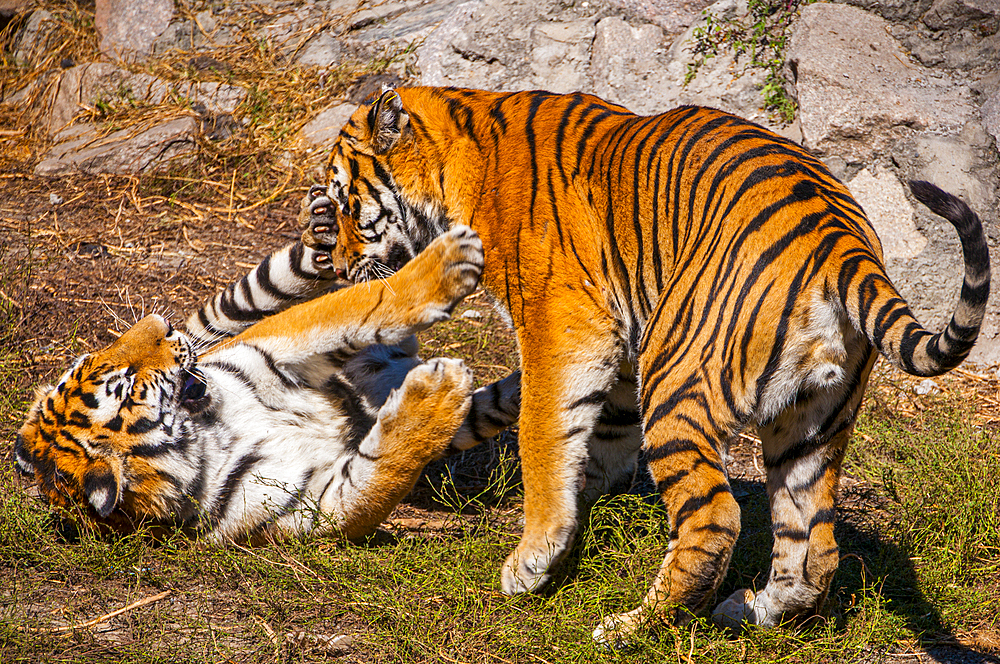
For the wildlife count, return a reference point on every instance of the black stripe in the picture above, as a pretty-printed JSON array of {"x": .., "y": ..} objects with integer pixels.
[{"x": 233, "y": 480}]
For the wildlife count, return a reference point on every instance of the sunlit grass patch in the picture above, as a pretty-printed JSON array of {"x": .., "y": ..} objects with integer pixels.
[{"x": 936, "y": 473}]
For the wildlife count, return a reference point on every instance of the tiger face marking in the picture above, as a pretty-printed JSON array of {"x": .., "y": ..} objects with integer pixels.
[{"x": 87, "y": 443}]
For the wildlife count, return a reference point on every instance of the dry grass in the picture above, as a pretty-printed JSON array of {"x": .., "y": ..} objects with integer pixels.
[{"x": 245, "y": 158}]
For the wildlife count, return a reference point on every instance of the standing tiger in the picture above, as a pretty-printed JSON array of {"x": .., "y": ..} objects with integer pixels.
[
  {"x": 296, "y": 419},
  {"x": 672, "y": 280}
]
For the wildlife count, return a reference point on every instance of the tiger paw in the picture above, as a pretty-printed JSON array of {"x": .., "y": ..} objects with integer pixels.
[
  {"x": 430, "y": 405},
  {"x": 738, "y": 610},
  {"x": 319, "y": 216},
  {"x": 450, "y": 267},
  {"x": 527, "y": 568},
  {"x": 615, "y": 632}
]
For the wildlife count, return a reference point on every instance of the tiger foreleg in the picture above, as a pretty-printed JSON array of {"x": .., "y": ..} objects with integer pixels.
[
  {"x": 413, "y": 427},
  {"x": 561, "y": 400},
  {"x": 494, "y": 408},
  {"x": 386, "y": 311}
]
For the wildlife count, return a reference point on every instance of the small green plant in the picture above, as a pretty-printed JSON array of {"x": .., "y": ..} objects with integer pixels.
[{"x": 761, "y": 35}]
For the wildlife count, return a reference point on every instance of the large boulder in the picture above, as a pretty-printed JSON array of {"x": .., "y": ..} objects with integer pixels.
[
  {"x": 878, "y": 118},
  {"x": 859, "y": 92},
  {"x": 81, "y": 149}
]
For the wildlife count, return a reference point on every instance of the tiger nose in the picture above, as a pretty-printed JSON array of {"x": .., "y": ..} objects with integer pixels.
[{"x": 141, "y": 337}]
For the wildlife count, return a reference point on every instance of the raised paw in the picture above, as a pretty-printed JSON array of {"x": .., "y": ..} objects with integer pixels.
[
  {"x": 319, "y": 216},
  {"x": 430, "y": 406},
  {"x": 446, "y": 382},
  {"x": 456, "y": 259},
  {"x": 321, "y": 261}
]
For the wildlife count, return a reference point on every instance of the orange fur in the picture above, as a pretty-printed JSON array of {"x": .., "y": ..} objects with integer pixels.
[
  {"x": 308, "y": 420},
  {"x": 712, "y": 271}
]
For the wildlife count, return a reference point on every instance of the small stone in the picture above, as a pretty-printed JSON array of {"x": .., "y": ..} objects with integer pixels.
[
  {"x": 55, "y": 199},
  {"x": 926, "y": 386},
  {"x": 471, "y": 313}
]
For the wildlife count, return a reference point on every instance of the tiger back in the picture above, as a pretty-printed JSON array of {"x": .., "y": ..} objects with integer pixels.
[{"x": 672, "y": 280}]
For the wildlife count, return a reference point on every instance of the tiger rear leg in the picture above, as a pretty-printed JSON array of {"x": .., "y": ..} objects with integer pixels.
[
  {"x": 803, "y": 450},
  {"x": 686, "y": 430},
  {"x": 412, "y": 428}
]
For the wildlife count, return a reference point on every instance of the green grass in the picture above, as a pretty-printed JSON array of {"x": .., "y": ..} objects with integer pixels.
[
  {"x": 759, "y": 38},
  {"x": 920, "y": 566},
  {"x": 919, "y": 527}
]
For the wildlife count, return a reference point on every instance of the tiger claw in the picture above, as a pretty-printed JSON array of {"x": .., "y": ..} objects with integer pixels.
[{"x": 322, "y": 229}]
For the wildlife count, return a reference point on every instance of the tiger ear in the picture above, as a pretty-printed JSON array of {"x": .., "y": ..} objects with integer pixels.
[
  {"x": 386, "y": 121},
  {"x": 102, "y": 488}
]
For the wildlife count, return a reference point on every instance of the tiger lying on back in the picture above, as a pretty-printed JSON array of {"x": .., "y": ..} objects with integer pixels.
[
  {"x": 303, "y": 421},
  {"x": 672, "y": 280}
]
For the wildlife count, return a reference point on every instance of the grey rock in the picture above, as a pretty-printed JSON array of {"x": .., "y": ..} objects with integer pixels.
[
  {"x": 949, "y": 162},
  {"x": 128, "y": 28},
  {"x": 11, "y": 8},
  {"x": 959, "y": 14},
  {"x": 561, "y": 54},
  {"x": 956, "y": 49},
  {"x": 101, "y": 82},
  {"x": 884, "y": 200},
  {"x": 398, "y": 23},
  {"x": 635, "y": 67},
  {"x": 673, "y": 16},
  {"x": 990, "y": 113},
  {"x": 894, "y": 10},
  {"x": 125, "y": 151},
  {"x": 35, "y": 38},
  {"x": 322, "y": 130},
  {"x": 323, "y": 50},
  {"x": 202, "y": 31},
  {"x": 630, "y": 66},
  {"x": 317, "y": 135},
  {"x": 435, "y": 57},
  {"x": 857, "y": 91}
]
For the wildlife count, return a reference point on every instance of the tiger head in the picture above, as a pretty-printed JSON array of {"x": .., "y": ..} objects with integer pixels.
[
  {"x": 384, "y": 196},
  {"x": 92, "y": 439}
]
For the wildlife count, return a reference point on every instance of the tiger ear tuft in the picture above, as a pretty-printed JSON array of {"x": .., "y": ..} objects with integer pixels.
[
  {"x": 103, "y": 489},
  {"x": 386, "y": 121}
]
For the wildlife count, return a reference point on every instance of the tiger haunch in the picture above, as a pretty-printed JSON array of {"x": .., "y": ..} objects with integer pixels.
[{"x": 672, "y": 280}]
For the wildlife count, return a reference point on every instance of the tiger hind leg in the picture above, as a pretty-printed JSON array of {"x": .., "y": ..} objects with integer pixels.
[
  {"x": 685, "y": 435},
  {"x": 412, "y": 428},
  {"x": 803, "y": 449}
]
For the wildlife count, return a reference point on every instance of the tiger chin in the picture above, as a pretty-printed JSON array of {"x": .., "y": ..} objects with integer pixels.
[
  {"x": 672, "y": 280},
  {"x": 309, "y": 411}
]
